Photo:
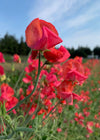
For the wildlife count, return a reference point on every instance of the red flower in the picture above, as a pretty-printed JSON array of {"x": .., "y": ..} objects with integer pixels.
[
  {"x": 74, "y": 70},
  {"x": 33, "y": 64},
  {"x": 27, "y": 79},
  {"x": 1, "y": 58},
  {"x": 41, "y": 35},
  {"x": 79, "y": 118},
  {"x": 65, "y": 91},
  {"x": 7, "y": 92},
  {"x": 16, "y": 58},
  {"x": 59, "y": 130},
  {"x": 89, "y": 127},
  {"x": 57, "y": 55},
  {"x": 32, "y": 56},
  {"x": 7, "y": 96},
  {"x": 74, "y": 75},
  {"x": 1, "y": 70}
]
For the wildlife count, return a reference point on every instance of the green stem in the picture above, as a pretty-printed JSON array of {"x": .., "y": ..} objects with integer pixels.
[
  {"x": 24, "y": 129},
  {"x": 21, "y": 73},
  {"x": 10, "y": 135},
  {"x": 30, "y": 107},
  {"x": 51, "y": 110},
  {"x": 35, "y": 112},
  {"x": 39, "y": 70},
  {"x": 3, "y": 125}
]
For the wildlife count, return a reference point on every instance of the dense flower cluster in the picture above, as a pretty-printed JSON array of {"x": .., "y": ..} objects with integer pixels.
[{"x": 59, "y": 81}]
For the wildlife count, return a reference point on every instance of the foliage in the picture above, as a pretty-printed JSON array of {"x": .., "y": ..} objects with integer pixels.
[
  {"x": 97, "y": 51},
  {"x": 80, "y": 51},
  {"x": 10, "y": 45}
]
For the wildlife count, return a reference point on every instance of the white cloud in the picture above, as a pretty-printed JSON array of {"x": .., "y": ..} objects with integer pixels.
[
  {"x": 84, "y": 18},
  {"x": 54, "y": 10}
]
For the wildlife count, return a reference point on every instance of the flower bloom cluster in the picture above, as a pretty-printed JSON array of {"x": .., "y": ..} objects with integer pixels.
[
  {"x": 6, "y": 92},
  {"x": 7, "y": 96}
]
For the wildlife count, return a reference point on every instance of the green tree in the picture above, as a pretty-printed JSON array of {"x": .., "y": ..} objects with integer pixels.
[
  {"x": 96, "y": 50},
  {"x": 83, "y": 51},
  {"x": 8, "y": 44}
]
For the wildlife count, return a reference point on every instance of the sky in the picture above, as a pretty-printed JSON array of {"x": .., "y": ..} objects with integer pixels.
[{"x": 77, "y": 21}]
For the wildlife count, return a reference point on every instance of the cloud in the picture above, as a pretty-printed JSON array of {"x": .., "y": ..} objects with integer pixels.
[
  {"x": 54, "y": 10},
  {"x": 82, "y": 19}
]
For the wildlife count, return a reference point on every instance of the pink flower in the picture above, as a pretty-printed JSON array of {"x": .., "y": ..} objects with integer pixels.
[
  {"x": 16, "y": 58},
  {"x": 33, "y": 64},
  {"x": 7, "y": 96},
  {"x": 59, "y": 130},
  {"x": 76, "y": 106},
  {"x": 27, "y": 79},
  {"x": 89, "y": 127},
  {"x": 32, "y": 56},
  {"x": 1, "y": 70},
  {"x": 2, "y": 60},
  {"x": 7, "y": 92},
  {"x": 76, "y": 76},
  {"x": 97, "y": 125},
  {"x": 79, "y": 118}
]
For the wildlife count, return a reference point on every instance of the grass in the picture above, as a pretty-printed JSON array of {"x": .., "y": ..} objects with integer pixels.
[{"x": 8, "y": 67}]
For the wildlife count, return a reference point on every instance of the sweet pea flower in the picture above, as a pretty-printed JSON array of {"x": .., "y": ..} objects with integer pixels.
[
  {"x": 59, "y": 130},
  {"x": 2, "y": 60},
  {"x": 1, "y": 70},
  {"x": 41, "y": 35},
  {"x": 57, "y": 55},
  {"x": 7, "y": 96},
  {"x": 16, "y": 58},
  {"x": 89, "y": 126},
  {"x": 27, "y": 79},
  {"x": 74, "y": 70}
]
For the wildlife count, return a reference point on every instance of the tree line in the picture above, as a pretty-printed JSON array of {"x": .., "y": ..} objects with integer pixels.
[
  {"x": 10, "y": 45},
  {"x": 84, "y": 51}
]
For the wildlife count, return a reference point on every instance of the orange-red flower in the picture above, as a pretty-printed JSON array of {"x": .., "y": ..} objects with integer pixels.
[
  {"x": 57, "y": 55},
  {"x": 41, "y": 35},
  {"x": 74, "y": 70}
]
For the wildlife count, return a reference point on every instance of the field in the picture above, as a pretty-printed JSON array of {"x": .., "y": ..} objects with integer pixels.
[{"x": 80, "y": 121}]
